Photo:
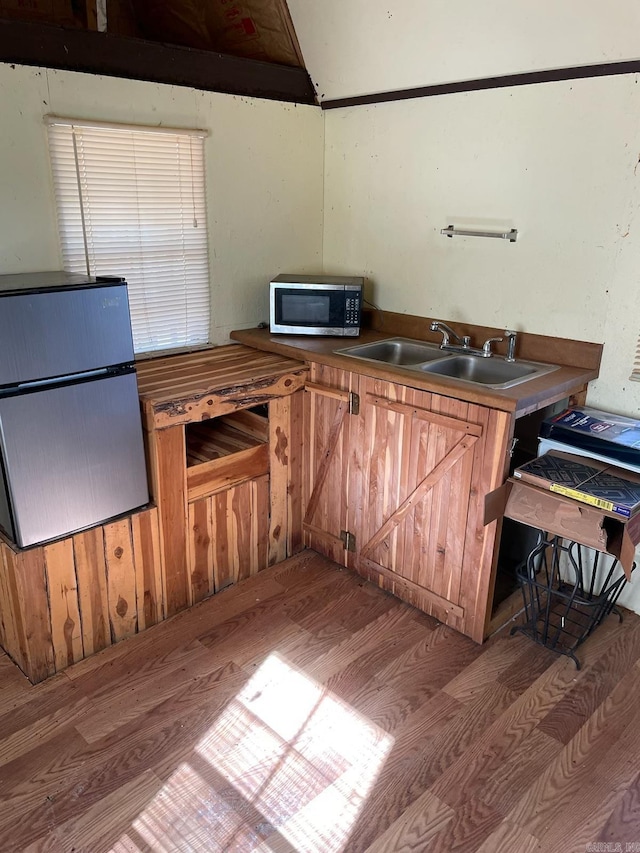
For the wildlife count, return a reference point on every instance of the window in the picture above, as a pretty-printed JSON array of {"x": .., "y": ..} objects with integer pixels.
[{"x": 131, "y": 202}]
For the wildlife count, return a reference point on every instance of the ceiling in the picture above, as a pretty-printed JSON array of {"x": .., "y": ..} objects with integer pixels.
[
  {"x": 358, "y": 47},
  {"x": 255, "y": 29},
  {"x": 350, "y": 47},
  {"x": 241, "y": 47}
]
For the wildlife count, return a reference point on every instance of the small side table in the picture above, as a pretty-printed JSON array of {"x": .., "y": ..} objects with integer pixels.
[{"x": 563, "y": 608}]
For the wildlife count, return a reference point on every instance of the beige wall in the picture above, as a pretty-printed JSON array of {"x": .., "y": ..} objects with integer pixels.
[
  {"x": 556, "y": 161},
  {"x": 264, "y": 178},
  {"x": 363, "y": 46},
  {"x": 559, "y": 161}
]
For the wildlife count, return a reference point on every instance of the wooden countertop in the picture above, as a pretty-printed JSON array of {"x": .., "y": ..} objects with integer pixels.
[
  {"x": 195, "y": 386},
  {"x": 520, "y": 399}
]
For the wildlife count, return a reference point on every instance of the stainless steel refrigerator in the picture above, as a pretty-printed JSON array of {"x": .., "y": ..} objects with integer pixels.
[{"x": 71, "y": 449}]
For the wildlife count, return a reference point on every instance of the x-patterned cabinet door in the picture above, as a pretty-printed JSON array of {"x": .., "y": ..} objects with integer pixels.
[
  {"x": 331, "y": 479},
  {"x": 427, "y": 462}
]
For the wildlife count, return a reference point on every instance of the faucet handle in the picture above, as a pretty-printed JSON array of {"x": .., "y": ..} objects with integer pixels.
[
  {"x": 511, "y": 344},
  {"x": 486, "y": 346}
]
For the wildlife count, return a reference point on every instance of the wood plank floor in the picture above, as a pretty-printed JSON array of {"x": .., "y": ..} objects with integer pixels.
[{"x": 306, "y": 710}]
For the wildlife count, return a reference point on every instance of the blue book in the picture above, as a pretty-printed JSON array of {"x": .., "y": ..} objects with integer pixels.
[{"x": 614, "y": 436}]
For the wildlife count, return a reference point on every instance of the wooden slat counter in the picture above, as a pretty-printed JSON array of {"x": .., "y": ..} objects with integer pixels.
[
  {"x": 226, "y": 477},
  {"x": 196, "y": 386}
]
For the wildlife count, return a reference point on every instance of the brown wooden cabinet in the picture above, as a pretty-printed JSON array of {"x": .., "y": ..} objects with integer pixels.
[
  {"x": 394, "y": 488},
  {"x": 66, "y": 600},
  {"x": 242, "y": 493},
  {"x": 224, "y": 436}
]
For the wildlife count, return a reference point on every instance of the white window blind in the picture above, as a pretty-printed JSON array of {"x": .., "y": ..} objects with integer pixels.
[{"x": 131, "y": 202}]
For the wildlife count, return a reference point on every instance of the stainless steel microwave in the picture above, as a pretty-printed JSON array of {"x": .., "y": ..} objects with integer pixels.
[{"x": 316, "y": 305}]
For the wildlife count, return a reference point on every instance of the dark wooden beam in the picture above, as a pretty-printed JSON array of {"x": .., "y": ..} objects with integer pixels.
[
  {"x": 529, "y": 78},
  {"x": 137, "y": 59}
]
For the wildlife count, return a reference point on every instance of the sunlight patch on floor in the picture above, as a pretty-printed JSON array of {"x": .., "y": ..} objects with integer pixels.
[{"x": 286, "y": 766}]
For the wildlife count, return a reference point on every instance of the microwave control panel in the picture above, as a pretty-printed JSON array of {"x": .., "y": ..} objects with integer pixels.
[{"x": 352, "y": 309}]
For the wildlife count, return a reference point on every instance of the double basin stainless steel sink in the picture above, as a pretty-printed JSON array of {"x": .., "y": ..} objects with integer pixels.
[{"x": 494, "y": 372}]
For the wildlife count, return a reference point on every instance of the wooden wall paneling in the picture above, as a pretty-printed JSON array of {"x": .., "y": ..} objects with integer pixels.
[
  {"x": 401, "y": 547},
  {"x": 221, "y": 523},
  {"x": 400, "y": 427},
  {"x": 384, "y": 449},
  {"x": 434, "y": 564},
  {"x": 381, "y": 483},
  {"x": 457, "y": 486},
  {"x": 417, "y": 475},
  {"x": 13, "y": 633},
  {"x": 28, "y": 590},
  {"x": 240, "y": 542},
  {"x": 374, "y": 485},
  {"x": 280, "y": 449},
  {"x": 240, "y": 527},
  {"x": 456, "y": 444},
  {"x": 200, "y": 550},
  {"x": 169, "y": 452},
  {"x": 497, "y": 617},
  {"x": 426, "y": 569},
  {"x": 358, "y": 502},
  {"x": 449, "y": 448},
  {"x": 93, "y": 601},
  {"x": 489, "y": 472},
  {"x": 121, "y": 579},
  {"x": 148, "y": 565},
  {"x": 260, "y": 515},
  {"x": 150, "y": 459},
  {"x": 249, "y": 423},
  {"x": 334, "y": 498},
  {"x": 416, "y": 530},
  {"x": 66, "y": 627},
  {"x": 326, "y": 450},
  {"x": 295, "y": 542},
  {"x": 6, "y": 616},
  {"x": 479, "y": 540}
]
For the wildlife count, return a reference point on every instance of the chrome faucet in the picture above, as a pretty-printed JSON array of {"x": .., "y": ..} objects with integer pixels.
[
  {"x": 486, "y": 346},
  {"x": 447, "y": 333},
  {"x": 464, "y": 342}
]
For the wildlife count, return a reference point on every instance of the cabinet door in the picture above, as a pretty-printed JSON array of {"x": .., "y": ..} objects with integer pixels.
[
  {"x": 330, "y": 474},
  {"x": 427, "y": 463}
]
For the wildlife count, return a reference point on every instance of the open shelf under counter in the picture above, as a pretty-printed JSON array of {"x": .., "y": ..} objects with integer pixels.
[
  {"x": 223, "y": 436},
  {"x": 226, "y": 451},
  {"x": 223, "y": 430}
]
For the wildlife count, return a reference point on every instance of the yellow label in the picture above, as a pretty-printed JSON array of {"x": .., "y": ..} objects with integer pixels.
[{"x": 582, "y": 497}]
